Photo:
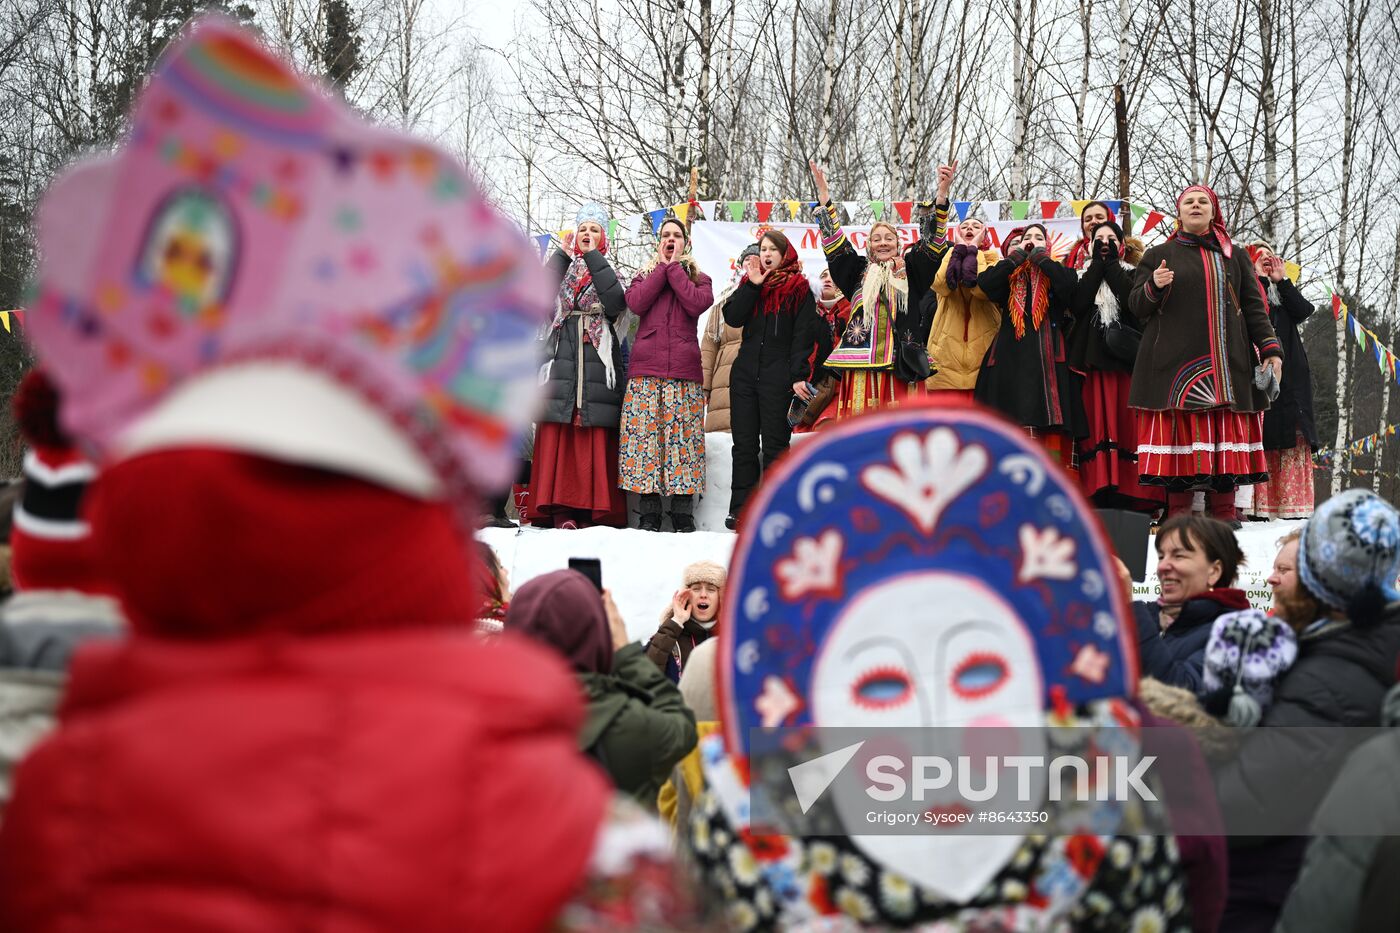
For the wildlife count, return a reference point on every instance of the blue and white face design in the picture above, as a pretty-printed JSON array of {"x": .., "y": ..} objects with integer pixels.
[{"x": 930, "y": 650}]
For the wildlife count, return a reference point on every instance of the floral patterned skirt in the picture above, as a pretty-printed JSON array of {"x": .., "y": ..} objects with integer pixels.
[
  {"x": 663, "y": 437},
  {"x": 1289, "y": 491},
  {"x": 864, "y": 390}
]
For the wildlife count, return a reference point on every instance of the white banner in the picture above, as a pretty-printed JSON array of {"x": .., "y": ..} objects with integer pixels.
[{"x": 716, "y": 244}]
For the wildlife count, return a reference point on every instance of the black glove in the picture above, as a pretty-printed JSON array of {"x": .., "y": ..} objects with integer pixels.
[{"x": 1017, "y": 255}]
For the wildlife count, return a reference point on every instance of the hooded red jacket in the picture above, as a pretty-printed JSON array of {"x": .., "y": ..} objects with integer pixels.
[{"x": 395, "y": 772}]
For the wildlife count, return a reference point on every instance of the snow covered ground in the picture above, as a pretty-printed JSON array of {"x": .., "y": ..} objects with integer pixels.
[{"x": 643, "y": 569}]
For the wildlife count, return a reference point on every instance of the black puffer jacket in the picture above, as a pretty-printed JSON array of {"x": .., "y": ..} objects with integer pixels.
[
  {"x": 1176, "y": 656},
  {"x": 776, "y": 347},
  {"x": 566, "y": 388},
  {"x": 1339, "y": 679}
]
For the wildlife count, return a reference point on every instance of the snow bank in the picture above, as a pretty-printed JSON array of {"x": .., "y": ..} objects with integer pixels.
[{"x": 643, "y": 569}]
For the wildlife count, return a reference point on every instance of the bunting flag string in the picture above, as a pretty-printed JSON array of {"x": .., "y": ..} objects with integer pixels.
[
  {"x": 17, "y": 313},
  {"x": 627, "y": 226}
]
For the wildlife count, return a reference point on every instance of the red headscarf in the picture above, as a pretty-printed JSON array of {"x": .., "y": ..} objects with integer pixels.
[
  {"x": 1217, "y": 223},
  {"x": 1011, "y": 236},
  {"x": 784, "y": 286}
]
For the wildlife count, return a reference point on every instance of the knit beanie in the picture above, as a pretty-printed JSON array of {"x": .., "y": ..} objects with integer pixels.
[
  {"x": 1349, "y": 554},
  {"x": 1247, "y": 653},
  {"x": 51, "y": 543},
  {"x": 705, "y": 571},
  {"x": 698, "y": 681}
]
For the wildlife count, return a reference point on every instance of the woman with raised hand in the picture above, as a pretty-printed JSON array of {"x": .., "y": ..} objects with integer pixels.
[
  {"x": 1204, "y": 326},
  {"x": 1101, "y": 347},
  {"x": 1290, "y": 430},
  {"x": 574, "y": 474},
  {"x": 885, "y": 287},
  {"x": 1024, "y": 373},
  {"x": 774, "y": 307},
  {"x": 663, "y": 412},
  {"x": 966, "y": 320}
]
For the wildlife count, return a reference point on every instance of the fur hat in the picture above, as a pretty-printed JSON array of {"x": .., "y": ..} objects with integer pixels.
[
  {"x": 705, "y": 571},
  {"x": 1349, "y": 554},
  {"x": 592, "y": 212}
]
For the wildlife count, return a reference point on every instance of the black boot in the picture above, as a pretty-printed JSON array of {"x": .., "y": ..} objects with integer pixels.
[
  {"x": 682, "y": 516},
  {"x": 499, "y": 518},
  {"x": 651, "y": 512}
]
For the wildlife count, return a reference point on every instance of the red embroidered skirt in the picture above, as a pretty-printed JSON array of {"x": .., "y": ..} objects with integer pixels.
[
  {"x": 864, "y": 390},
  {"x": 575, "y": 467},
  {"x": 1215, "y": 449},
  {"x": 1108, "y": 457}
]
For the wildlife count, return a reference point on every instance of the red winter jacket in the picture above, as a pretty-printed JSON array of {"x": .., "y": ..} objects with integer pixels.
[
  {"x": 297, "y": 736},
  {"x": 413, "y": 781}
]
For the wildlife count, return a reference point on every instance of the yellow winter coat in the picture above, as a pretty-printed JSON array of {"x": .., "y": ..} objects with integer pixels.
[
  {"x": 963, "y": 327},
  {"x": 686, "y": 783}
]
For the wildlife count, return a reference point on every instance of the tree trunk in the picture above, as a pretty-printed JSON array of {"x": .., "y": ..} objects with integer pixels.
[
  {"x": 1355, "y": 19},
  {"x": 1020, "y": 99},
  {"x": 826, "y": 130},
  {"x": 1268, "y": 106},
  {"x": 896, "y": 166},
  {"x": 1297, "y": 191},
  {"x": 704, "y": 105},
  {"x": 1081, "y": 106}
]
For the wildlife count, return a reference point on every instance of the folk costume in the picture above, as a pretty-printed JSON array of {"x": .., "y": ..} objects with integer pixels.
[
  {"x": 1198, "y": 410},
  {"x": 885, "y": 302},
  {"x": 1024, "y": 374}
]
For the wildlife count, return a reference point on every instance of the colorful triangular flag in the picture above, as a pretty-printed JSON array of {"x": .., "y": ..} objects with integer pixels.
[
  {"x": 1138, "y": 210},
  {"x": 850, "y": 208},
  {"x": 708, "y": 208},
  {"x": 905, "y": 210},
  {"x": 1078, "y": 206},
  {"x": 612, "y": 230},
  {"x": 962, "y": 209},
  {"x": 736, "y": 210},
  {"x": 657, "y": 216},
  {"x": 682, "y": 211},
  {"x": 1153, "y": 219},
  {"x": 1116, "y": 207},
  {"x": 991, "y": 210},
  {"x": 5, "y": 319},
  {"x": 764, "y": 209},
  {"x": 792, "y": 208},
  {"x": 878, "y": 209},
  {"x": 1292, "y": 270},
  {"x": 1019, "y": 209},
  {"x": 1048, "y": 209}
]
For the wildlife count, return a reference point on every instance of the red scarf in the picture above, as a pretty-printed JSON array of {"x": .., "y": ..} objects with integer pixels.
[
  {"x": 784, "y": 286},
  {"x": 1028, "y": 278}
]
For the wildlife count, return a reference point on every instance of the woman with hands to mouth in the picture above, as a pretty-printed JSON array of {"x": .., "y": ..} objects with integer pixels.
[
  {"x": 663, "y": 430},
  {"x": 574, "y": 473},
  {"x": 776, "y": 310},
  {"x": 1198, "y": 560},
  {"x": 690, "y": 619},
  {"x": 1023, "y": 374},
  {"x": 1205, "y": 324},
  {"x": 966, "y": 320}
]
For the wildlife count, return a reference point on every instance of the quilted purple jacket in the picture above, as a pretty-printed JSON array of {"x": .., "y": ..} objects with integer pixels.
[{"x": 668, "y": 305}]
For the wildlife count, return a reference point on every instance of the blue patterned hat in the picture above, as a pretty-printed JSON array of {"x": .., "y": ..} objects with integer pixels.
[
  {"x": 1350, "y": 545},
  {"x": 592, "y": 211}
]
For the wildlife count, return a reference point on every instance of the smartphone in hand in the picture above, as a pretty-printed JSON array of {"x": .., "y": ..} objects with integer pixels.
[
  {"x": 590, "y": 567},
  {"x": 1129, "y": 534}
]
